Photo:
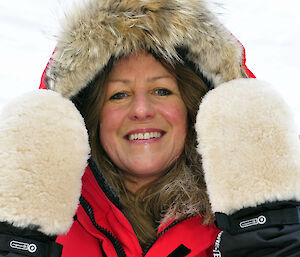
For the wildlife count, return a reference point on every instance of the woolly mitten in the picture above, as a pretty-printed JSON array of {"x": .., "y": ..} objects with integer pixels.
[
  {"x": 251, "y": 159},
  {"x": 43, "y": 153}
]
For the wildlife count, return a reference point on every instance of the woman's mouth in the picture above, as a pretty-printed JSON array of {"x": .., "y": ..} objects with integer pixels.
[
  {"x": 148, "y": 135},
  {"x": 144, "y": 136}
]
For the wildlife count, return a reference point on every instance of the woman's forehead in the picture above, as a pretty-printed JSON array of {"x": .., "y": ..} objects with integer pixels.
[{"x": 139, "y": 64}]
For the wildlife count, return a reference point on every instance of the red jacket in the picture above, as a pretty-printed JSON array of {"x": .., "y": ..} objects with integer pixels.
[{"x": 101, "y": 229}]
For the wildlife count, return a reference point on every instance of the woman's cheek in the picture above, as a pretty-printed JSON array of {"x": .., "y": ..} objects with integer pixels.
[
  {"x": 110, "y": 124},
  {"x": 111, "y": 117},
  {"x": 176, "y": 114}
]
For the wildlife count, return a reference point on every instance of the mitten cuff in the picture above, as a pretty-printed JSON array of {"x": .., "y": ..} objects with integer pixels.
[{"x": 263, "y": 216}]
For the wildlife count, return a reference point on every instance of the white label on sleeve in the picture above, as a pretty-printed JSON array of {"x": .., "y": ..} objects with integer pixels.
[
  {"x": 253, "y": 222},
  {"x": 23, "y": 246}
]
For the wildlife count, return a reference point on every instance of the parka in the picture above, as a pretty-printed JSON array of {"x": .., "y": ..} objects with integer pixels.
[
  {"x": 100, "y": 228},
  {"x": 92, "y": 35}
]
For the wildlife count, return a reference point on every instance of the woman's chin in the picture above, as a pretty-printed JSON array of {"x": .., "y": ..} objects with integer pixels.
[
  {"x": 134, "y": 180},
  {"x": 142, "y": 173},
  {"x": 148, "y": 166}
]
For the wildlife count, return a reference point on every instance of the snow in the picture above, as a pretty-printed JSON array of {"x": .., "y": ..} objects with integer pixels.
[{"x": 269, "y": 30}]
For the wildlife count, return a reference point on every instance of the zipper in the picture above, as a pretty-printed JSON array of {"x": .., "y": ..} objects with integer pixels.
[
  {"x": 90, "y": 212},
  {"x": 160, "y": 234}
]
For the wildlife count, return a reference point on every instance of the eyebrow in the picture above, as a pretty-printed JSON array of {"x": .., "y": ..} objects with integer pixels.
[
  {"x": 152, "y": 79},
  {"x": 159, "y": 77}
]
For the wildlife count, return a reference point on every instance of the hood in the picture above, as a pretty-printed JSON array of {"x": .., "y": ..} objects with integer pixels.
[{"x": 97, "y": 30}]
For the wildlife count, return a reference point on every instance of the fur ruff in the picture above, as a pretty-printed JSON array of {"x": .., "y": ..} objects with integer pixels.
[
  {"x": 249, "y": 146},
  {"x": 99, "y": 29},
  {"x": 43, "y": 154}
]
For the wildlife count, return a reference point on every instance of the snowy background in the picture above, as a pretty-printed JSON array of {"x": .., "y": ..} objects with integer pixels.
[{"x": 269, "y": 30}]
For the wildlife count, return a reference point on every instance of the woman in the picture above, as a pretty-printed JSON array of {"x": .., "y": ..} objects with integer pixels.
[
  {"x": 137, "y": 71},
  {"x": 143, "y": 140}
]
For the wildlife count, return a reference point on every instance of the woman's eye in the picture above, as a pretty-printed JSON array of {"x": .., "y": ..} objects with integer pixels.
[
  {"x": 163, "y": 92},
  {"x": 118, "y": 96}
]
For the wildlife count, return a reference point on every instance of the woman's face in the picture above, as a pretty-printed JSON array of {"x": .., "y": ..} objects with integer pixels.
[{"x": 143, "y": 122}]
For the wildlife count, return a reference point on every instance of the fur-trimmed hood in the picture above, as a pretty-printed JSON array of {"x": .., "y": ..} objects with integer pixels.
[{"x": 97, "y": 30}]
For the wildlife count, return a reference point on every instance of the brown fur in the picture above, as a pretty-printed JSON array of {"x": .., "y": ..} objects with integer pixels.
[{"x": 99, "y": 29}]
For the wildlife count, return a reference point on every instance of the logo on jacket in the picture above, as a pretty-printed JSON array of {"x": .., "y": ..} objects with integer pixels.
[
  {"x": 216, "y": 250},
  {"x": 253, "y": 222},
  {"x": 23, "y": 246}
]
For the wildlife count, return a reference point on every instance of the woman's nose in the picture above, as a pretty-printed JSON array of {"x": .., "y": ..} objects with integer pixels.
[{"x": 141, "y": 108}]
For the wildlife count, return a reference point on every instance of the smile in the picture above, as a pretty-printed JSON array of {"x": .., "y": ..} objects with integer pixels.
[{"x": 144, "y": 136}]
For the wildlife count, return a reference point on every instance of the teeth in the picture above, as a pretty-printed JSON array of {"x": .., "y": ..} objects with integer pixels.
[{"x": 144, "y": 136}]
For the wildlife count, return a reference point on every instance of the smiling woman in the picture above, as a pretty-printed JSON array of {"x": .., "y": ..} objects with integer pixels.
[
  {"x": 142, "y": 97},
  {"x": 140, "y": 116}
]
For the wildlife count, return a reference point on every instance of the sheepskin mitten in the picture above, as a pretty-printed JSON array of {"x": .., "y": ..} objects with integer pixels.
[
  {"x": 251, "y": 160},
  {"x": 43, "y": 154},
  {"x": 250, "y": 147}
]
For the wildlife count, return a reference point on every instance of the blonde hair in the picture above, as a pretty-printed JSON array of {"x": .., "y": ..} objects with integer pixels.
[{"x": 181, "y": 191}]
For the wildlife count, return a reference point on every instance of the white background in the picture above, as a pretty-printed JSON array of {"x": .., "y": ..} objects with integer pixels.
[{"x": 269, "y": 30}]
